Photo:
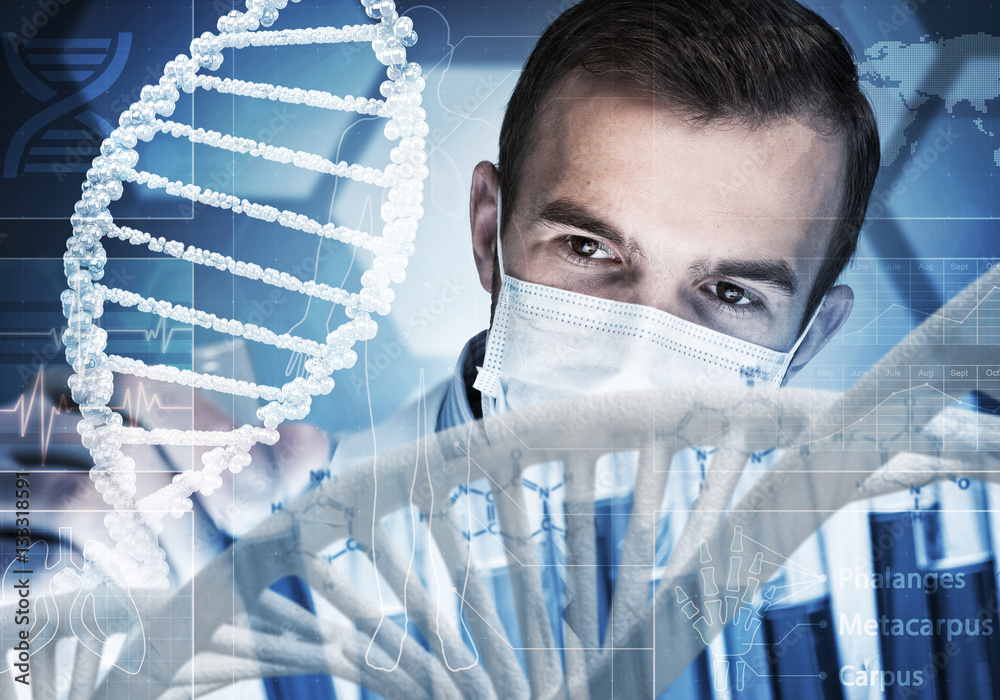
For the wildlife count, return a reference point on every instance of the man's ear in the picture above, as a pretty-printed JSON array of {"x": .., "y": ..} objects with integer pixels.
[
  {"x": 836, "y": 308},
  {"x": 483, "y": 217}
]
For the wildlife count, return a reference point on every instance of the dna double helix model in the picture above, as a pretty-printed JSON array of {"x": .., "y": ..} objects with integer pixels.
[
  {"x": 50, "y": 71},
  {"x": 834, "y": 450},
  {"x": 183, "y": 643},
  {"x": 136, "y": 520}
]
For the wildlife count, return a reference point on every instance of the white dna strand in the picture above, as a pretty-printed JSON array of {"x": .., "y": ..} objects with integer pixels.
[
  {"x": 835, "y": 448},
  {"x": 136, "y": 520}
]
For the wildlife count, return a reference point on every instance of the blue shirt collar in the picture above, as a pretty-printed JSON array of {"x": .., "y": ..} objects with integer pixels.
[{"x": 461, "y": 402}]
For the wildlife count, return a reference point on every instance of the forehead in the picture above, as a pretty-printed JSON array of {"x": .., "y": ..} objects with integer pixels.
[{"x": 614, "y": 147}]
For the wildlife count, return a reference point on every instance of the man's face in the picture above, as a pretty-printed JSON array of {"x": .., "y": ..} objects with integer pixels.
[{"x": 624, "y": 199}]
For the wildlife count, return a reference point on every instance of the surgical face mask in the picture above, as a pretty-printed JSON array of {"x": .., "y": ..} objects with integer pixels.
[{"x": 547, "y": 344}]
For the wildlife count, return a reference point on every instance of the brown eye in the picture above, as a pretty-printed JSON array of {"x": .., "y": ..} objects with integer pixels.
[
  {"x": 731, "y": 294},
  {"x": 588, "y": 247}
]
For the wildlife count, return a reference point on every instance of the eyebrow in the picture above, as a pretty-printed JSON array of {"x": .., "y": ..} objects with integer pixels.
[
  {"x": 566, "y": 212},
  {"x": 776, "y": 273}
]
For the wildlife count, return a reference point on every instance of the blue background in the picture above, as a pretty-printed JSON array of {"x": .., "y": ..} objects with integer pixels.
[
  {"x": 72, "y": 68},
  {"x": 931, "y": 69}
]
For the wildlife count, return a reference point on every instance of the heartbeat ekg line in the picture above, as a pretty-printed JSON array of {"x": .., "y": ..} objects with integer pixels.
[
  {"x": 145, "y": 402},
  {"x": 24, "y": 412},
  {"x": 133, "y": 407},
  {"x": 158, "y": 332}
]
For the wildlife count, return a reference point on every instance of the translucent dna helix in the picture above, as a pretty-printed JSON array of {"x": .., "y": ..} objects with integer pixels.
[
  {"x": 137, "y": 521},
  {"x": 835, "y": 449}
]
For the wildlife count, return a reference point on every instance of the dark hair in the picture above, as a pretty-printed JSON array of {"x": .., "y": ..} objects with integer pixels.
[{"x": 751, "y": 62}]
